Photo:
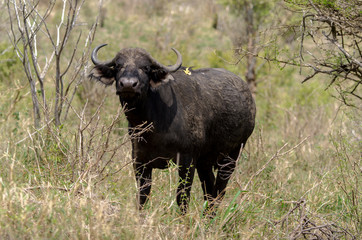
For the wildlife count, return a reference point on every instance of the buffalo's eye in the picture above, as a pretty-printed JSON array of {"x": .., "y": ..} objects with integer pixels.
[
  {"x": 119, "y": 67},
  {"x": 144, "y": 69}
]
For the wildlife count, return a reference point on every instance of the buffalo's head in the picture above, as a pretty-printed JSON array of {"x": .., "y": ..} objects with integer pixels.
[{"x": 133, "y": 70}]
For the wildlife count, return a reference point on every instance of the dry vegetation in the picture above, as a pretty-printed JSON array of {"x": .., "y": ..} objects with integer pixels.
[{"x": 298, "y": 178}]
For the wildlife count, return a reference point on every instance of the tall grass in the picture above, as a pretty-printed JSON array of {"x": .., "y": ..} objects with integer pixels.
[{"x": 298, "y": 177}]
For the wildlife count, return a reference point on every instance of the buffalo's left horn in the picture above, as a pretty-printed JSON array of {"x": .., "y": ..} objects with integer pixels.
[
  {"x": 174, "y": 67},
  {"x": 95, "y": 58}
]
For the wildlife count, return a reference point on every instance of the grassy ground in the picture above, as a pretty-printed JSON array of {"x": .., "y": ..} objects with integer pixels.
[{"x": 299, "y": 176}]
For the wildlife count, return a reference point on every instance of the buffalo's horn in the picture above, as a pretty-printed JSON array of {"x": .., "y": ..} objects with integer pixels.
[
  {"x": 174, "y": 67},
  {"x": 95, "y": 58}
]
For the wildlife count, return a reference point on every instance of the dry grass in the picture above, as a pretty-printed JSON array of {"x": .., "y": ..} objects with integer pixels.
[
  {"x": 307, "y": 187},
  {"x": 299, "y": 176}
]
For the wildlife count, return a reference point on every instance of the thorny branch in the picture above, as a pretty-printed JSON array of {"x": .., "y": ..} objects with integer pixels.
[
  {"x": 335, "y": 31},
  {"x": 329, "y": 45}
]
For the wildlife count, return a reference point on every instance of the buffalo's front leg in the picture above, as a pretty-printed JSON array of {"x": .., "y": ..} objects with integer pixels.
[
  {"x": 186, "y": 175},
  {"x": 144, "y": 180}
]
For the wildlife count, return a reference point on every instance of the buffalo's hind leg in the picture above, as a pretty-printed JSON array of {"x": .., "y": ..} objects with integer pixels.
[
  {"x": 186, "y": 177},
  {"x": 207, "y": 179},
  {"x": 226, "y": 166}
]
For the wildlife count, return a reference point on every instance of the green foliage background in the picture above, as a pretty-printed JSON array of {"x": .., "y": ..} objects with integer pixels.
[{"x": 44, "y": 194}]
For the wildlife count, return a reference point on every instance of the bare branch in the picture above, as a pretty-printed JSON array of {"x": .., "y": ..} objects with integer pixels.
[{"x": 31, "y": 35}]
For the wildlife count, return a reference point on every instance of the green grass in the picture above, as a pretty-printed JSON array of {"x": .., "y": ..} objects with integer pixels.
[{"x": 302, "y": 164}]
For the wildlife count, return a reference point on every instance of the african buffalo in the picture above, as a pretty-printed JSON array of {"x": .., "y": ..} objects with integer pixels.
[{"x": 201, "y": 119}]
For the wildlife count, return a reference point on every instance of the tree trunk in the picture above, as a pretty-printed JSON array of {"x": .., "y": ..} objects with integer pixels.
[
  {"x": 34, "y": 97},
  {"x": 250, "y": 76}
]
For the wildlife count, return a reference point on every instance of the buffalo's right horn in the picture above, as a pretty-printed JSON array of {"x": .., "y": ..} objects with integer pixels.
[{"x": 95, "y": 58}]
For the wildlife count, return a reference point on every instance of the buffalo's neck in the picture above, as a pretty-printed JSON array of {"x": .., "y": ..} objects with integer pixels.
[{"x": 159, "y": 108}]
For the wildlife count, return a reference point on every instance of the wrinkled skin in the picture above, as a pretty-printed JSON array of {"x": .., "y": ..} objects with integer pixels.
[{"x": 201, "y": 121}]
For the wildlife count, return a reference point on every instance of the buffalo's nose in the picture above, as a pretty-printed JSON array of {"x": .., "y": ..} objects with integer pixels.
[{"x": 128, "y": 83}]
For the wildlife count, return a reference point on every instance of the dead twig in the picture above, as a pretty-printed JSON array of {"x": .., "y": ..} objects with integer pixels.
[
  {"x": 304, "y": 224},
  {"x": 275, "y": 156}
]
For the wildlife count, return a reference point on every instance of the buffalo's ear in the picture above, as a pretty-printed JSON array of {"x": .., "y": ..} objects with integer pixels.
[
  {"x": 159, "y": 77},
  {"x": 103, "y": 74}
]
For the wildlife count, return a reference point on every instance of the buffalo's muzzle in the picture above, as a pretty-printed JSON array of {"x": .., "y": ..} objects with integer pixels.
[
  {"x": 128, "y": 87},
  {"x": 128, "y": 83}
]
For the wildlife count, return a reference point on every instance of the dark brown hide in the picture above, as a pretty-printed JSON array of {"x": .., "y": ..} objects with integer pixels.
[{"x": 201, "y": 121}]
